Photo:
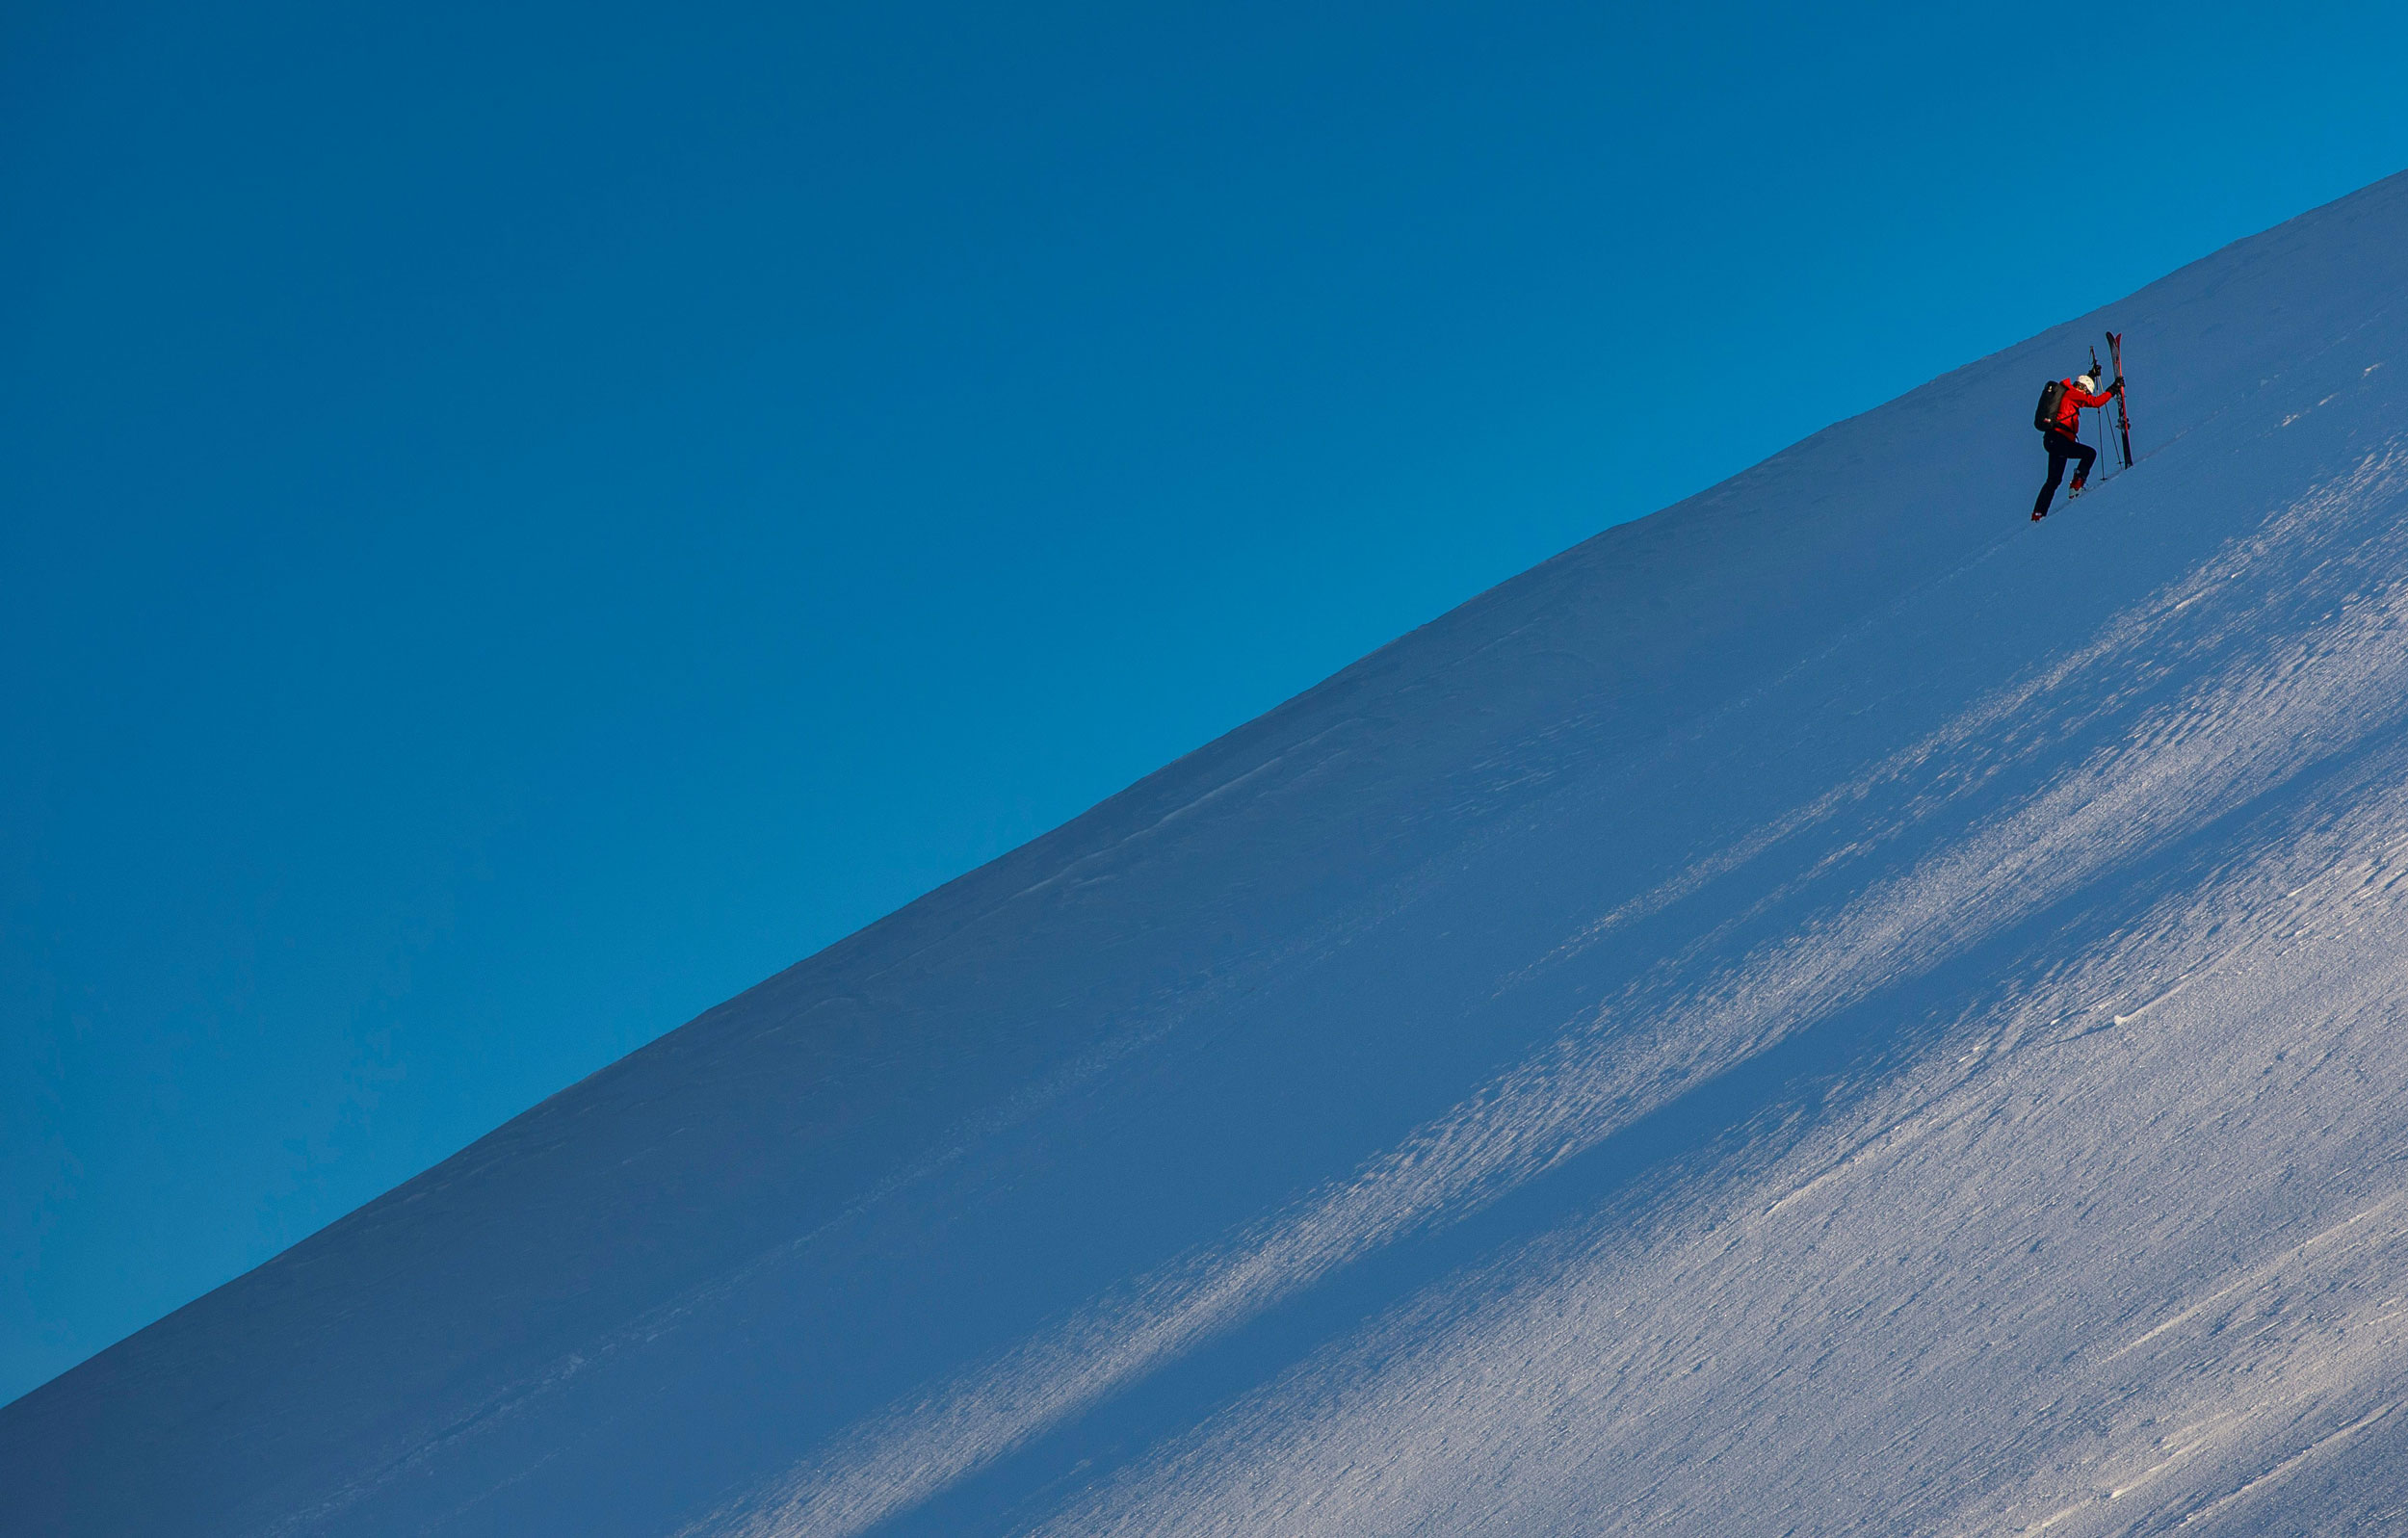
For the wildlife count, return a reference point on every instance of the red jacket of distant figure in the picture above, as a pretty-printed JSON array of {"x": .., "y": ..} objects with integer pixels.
[{"x": 2075, "y": 400}]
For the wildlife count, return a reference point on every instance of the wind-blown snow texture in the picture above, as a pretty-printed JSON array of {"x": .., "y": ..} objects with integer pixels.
[{"x": 1828, "y": 1010}]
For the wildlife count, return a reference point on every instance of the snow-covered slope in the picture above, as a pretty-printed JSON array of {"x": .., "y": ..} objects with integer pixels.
[{"x": 1832, "y": 1009}]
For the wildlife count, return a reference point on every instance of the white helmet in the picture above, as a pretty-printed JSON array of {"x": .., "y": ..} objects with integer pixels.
[{"x": 2089, "y": 385}]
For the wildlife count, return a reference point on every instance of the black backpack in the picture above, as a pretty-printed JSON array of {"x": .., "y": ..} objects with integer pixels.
[{"x": 2052, "y": 395}]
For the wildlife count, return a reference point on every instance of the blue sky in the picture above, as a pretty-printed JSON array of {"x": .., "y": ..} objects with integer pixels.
[{"x": 517, "y": 522}]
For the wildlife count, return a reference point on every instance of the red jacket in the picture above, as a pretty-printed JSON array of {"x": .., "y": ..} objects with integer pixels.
[{"x": 2077, "y": 399}]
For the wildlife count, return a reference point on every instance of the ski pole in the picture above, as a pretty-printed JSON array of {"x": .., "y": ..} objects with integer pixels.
[{"x": 2098, "y": 411}]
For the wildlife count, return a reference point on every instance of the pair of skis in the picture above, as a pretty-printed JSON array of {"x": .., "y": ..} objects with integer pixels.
[{"x": 2123, "y": 424}]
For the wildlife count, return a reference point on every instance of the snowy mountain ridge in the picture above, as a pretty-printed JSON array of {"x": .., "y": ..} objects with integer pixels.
[{"x": 1828, "y": 1010}]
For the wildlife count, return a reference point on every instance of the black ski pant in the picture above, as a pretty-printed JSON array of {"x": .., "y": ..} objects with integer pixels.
[{"x": 2063, "y": 446}]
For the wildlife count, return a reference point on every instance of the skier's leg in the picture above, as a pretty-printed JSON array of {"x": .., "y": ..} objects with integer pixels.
[
  {"x": 2085, "y": 455},
  {"x": 2056, "y": 472}
]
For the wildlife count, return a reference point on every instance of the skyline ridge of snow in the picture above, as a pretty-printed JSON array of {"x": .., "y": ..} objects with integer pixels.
[{"x": 1826, "y": 1008}]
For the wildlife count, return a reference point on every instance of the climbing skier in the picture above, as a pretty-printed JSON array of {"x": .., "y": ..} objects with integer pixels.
[{"x": 2061, "y": 430}]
